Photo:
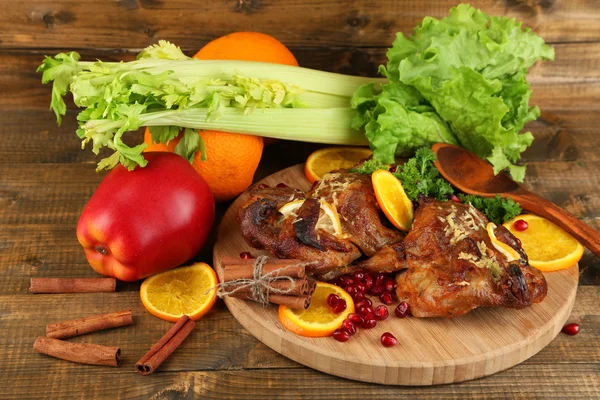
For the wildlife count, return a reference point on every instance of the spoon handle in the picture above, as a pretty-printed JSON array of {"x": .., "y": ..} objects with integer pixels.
[{"x": 588, "y": 236}]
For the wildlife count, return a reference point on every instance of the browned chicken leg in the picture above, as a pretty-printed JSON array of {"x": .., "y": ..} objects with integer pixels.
[
  {"x": 450, "y": 266},
  {"x": 296, "y": 236}
]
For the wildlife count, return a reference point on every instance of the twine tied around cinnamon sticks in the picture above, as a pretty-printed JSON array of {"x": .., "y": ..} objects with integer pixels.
[{"x": 267, "y": 281}]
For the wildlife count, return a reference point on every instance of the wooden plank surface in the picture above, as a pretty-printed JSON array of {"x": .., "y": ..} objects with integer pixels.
[
  {"x": 220, "y": 349},
  {"x": 574, "y": 381},
  {"x": 138, "y": 23}
]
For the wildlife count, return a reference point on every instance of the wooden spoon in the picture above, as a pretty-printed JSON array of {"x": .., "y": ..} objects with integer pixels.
[{"x": 473, "y": 175}]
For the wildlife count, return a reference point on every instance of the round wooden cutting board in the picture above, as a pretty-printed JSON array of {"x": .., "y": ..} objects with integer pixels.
[{"x": 430, "y": 351}]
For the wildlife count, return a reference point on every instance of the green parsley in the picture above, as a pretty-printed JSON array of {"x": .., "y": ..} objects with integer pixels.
[
  {"x": 420, "y": 177},
  {"x": 497, "y": 209},
  {"x": 369, "y": 166}
]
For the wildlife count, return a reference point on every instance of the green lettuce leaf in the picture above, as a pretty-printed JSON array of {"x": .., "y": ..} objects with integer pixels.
[{"x": 465, "y": 78}]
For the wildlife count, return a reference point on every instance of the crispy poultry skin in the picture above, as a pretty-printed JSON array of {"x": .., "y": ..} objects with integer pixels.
[
  {"x": 294, "y": 237},
  {"x": 353, "y": 196},
  {"x": 449, "y": 265}
]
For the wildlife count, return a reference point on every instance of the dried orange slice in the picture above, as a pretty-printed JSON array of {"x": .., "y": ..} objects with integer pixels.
[
  {"x": 392, "y": 199},
  {"x": 318, "y": 319},
  {"x": 329, "y": 159},
  {"x": 548, "y": 247},
  {"x": 181, "y": 291},
  {"x": 508, "y": 252},
  {"x": 329, "y": 219}
]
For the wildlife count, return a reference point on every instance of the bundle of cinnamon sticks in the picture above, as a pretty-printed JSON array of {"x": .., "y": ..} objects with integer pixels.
[{"x": 287, "y": 283}]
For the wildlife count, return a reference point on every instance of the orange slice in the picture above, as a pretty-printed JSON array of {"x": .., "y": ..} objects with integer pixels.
[
  {"x": 329, "y": 219},
  {"x": 508, "y": 252},
  {"x": 392, "y": 199},
  {"x": 181, "y": 291},
  {"x": 329, "y": 159},
  {"x": 317, "y": 320},
  {"x": 548, "y": 247}
]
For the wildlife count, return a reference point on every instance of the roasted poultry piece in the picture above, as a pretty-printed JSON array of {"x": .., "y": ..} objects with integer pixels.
[
  {"x": 353, "y": 196},
  {"x": 299, "y": 237},
  {"x": 449, "y": 265},
  {"x": 296, "y": 236}
]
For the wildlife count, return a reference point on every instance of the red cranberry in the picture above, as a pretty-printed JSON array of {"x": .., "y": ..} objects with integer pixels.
[
  {"x": 358, "y": 296},
  {"x": 370, "y": 322},
  {"x": 455, "y": 198},
  {"x": 571, "y": 329},
  {"x": 352, "y": 290},
  {"x": 263, "y": 186},
  {"x": 365, "y": 310},
  {"x": 356, "y": 319},
  {"x": 381, "y": 313},
  {"x": 388, "y": 340},
  {"x": 339, "y": 307},
  {"x": 282, "y": 185},
  {"x": 368, "y": 281},
  {"x": 403, "y": 310},
  {"x": 358, "y": 276},
  {"x": 520, "y": 225},
  {"x": 348, "y": 326},
  {"x": 393, "y": 168},
  {"x": 336, "y": 282},
  {"x": 379, "y": 279},
  {"x": 333, "y": 299},
  {"x": 346, "y": 280},
  {"x": 386, "y": 298},
  {"x": 389, "y": 285},
  {"x": 360, "y": 287},
  {"x": 341, "y": 335},
  {"x": 245, "y": 255},
  {"x": 376, "y": 290},
  {"x": 363, "y": 303}
]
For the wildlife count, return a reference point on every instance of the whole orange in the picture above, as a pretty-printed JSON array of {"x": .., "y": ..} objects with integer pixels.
[
  {"x": 231, "y": 161},
  {"x": 247, "y": 46},
  {"x": 232, "y": 158}
]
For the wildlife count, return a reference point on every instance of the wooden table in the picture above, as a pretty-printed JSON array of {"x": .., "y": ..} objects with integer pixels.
[{"x": 45, "y": 180}]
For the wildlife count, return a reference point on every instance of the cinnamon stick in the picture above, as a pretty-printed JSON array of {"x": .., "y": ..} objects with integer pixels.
[
  {"x": 72, "y": 285},
  {"x": 241, "y": 271},
  {"x": 165, "y": 346},
  {"x": 82, "y": 353},
  {"x": 289, "y": 301},
  {"x": 81, "y": 326},
  {"x": 312, "y": 285}
]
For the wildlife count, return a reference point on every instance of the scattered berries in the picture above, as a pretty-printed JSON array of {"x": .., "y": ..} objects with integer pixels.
[
  {"x": 403, "y": 310},
  {"x": 381, "y": 313},
  {"x": 520, "y": 225},
  {"x": 571, "y": 329},
  {"x": 388, "y": 340}
]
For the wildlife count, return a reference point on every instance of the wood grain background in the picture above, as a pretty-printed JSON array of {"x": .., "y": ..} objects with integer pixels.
[{"x": 45, "y": 180}]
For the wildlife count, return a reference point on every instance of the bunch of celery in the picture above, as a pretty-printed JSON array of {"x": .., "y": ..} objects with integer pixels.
[
  {"x": 166, "y": 91},
  {"x": 460, "y": 80}
]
